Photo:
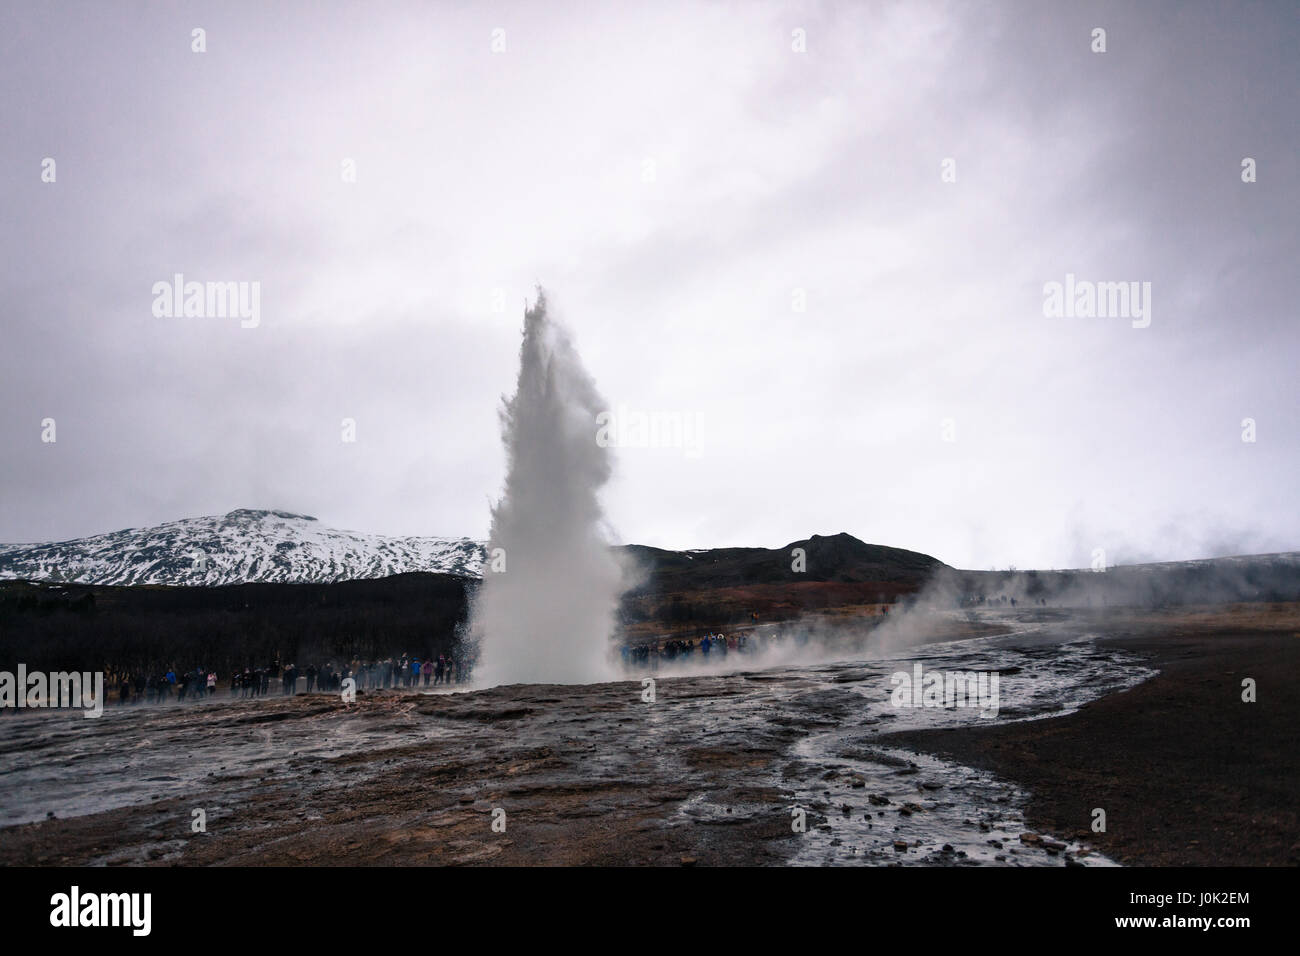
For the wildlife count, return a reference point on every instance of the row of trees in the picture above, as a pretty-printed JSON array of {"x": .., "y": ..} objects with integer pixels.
[{"x": 68, "y": 627}]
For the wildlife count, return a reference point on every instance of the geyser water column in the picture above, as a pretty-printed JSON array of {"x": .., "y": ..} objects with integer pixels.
[{"x": 547, "y": 607}]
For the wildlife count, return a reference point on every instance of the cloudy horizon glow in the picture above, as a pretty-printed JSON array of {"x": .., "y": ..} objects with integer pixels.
[{"x": 676, "y": 176}]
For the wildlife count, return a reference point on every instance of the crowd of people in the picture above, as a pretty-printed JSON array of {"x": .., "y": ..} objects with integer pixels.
[
  {"x": 392, "y": 672},
  {"x": 134, "y": 688},
  {"x": 649, "y": 655},
  {"x": 407, "y": 672}
]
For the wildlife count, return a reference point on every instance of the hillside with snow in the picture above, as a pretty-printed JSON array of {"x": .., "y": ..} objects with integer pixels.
[{"x": 244, "y": 545}]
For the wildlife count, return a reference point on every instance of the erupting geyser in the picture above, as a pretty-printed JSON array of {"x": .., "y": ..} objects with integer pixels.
[{"x": 547, "y": 607}]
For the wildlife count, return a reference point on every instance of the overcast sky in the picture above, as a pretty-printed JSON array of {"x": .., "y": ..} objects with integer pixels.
[{"x": 674, "y": 175}]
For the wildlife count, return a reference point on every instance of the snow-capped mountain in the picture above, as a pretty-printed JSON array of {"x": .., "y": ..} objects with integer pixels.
[{"x": 244, "y": 545}]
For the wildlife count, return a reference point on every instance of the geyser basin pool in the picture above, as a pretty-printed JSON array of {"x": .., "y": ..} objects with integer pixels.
[{"x": 585, "y": 773}]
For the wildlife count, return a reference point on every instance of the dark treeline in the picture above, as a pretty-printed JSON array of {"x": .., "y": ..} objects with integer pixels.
[
  {"x": 130, "y": 629},
  {"x": 150, "y": 629}
]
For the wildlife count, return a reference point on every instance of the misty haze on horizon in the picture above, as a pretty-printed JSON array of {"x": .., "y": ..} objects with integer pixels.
[{"x": 819, "y": 237}]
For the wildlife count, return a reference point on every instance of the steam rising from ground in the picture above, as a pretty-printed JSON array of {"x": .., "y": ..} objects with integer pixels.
[
  {"x": 549, "y": 615},
  {"x": 547, "y": 609},
  {"x": 956, "y": 605}
]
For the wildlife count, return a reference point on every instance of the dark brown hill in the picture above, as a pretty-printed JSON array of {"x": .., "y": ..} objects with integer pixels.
[
  {"x": 60, "y": 626},
  {"x": 689, "y": 592}
]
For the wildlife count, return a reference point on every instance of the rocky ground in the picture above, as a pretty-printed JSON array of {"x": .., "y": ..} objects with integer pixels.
[
  {"x": 1187, "y": 772},
  {"x": 715, "y": 771}
]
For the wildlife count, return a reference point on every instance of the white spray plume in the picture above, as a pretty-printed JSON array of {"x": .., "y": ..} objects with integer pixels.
[{"x": 547, "y": 608}]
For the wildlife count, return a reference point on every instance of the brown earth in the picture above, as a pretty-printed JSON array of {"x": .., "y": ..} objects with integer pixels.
[{"x": 1187, "y": 773}]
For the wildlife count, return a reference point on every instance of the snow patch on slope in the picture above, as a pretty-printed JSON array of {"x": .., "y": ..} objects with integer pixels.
[{"x": 244, "y": 545}]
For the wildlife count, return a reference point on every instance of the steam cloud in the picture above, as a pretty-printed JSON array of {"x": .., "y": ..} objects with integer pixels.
[{"x": 550, "y": 615}]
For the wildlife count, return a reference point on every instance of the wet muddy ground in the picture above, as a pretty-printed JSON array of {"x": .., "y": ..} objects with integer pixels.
[
  {"x": 1187, "y": 772},
  {"x": 779, "y": 764}
]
